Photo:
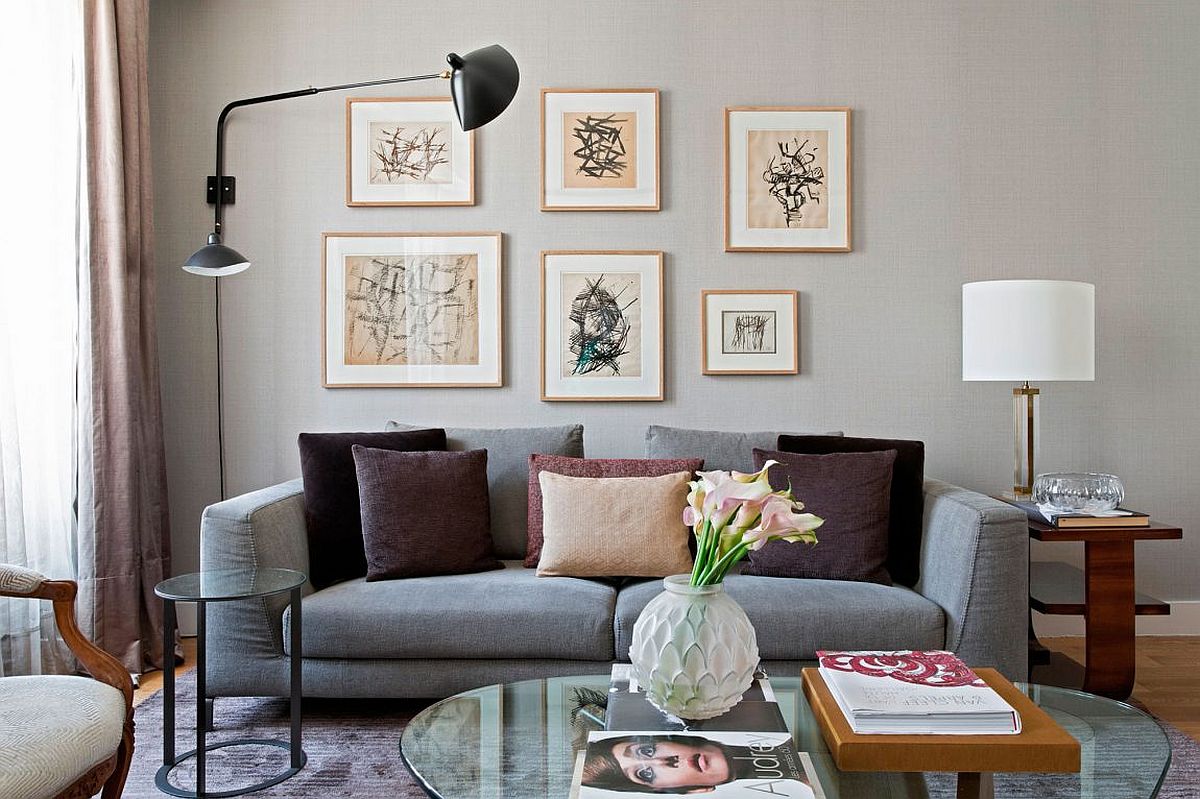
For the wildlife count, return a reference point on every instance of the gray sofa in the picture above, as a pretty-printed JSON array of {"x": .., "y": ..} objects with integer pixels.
[{"x": 434, "y": 636}]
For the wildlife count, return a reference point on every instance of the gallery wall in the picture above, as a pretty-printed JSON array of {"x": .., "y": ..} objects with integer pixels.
[{"x": 990, "y": 140}]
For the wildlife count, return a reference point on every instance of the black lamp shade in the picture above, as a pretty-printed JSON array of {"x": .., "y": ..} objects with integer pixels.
[
  {"x": 483, "y": 83},
  {"x": 216, "y": 260}
]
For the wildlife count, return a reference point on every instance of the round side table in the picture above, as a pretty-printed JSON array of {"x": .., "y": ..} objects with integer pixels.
[{"x": 224, "y": 585}]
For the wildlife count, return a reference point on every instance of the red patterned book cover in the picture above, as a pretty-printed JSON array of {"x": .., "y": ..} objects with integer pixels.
[{"x": 914, "y": 692}]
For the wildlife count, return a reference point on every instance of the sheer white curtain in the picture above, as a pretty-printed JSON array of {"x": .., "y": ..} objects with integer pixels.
[{"x": 42, "y": 302}]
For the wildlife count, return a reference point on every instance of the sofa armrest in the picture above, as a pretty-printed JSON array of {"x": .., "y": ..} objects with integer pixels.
[
  {"x": 975, "y": 565},
  {"x": 260, "y": 530}
]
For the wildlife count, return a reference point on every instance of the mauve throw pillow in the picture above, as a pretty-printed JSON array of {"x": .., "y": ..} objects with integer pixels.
[
  {"x": 590, "y": 467},
  {"x": 907, "y": 505},
  {"x": 850, "y": 491},
  {"x": 331, "y": 510},
  {"x": 424, "y": 513}
]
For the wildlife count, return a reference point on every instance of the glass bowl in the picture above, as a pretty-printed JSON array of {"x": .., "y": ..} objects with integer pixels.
[{"x": 1076, "y": 492}]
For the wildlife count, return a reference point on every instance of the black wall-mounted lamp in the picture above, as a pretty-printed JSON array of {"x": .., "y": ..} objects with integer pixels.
[{"x": 482, "y": 84}]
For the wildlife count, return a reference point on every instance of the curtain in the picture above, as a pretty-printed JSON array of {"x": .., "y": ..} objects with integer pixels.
[
  {"x": 40, "y": 310},
  {"x": 123, "y": 533}
]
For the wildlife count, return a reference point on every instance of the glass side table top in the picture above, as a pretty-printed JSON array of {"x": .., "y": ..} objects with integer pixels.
[
  {"x": 519, "y": 740},
  {"x": 227, "y": 584}
]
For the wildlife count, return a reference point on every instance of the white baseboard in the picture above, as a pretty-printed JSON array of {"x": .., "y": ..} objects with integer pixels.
[{"x": 1184, "y": 620}]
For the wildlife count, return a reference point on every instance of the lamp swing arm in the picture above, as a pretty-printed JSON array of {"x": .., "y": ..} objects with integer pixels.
[{"x": 218, "y": 215}]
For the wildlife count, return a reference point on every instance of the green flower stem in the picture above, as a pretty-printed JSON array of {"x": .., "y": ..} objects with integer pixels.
[
  {"x": 716, "y": 573},
  {"x": 702, "y": 552}
]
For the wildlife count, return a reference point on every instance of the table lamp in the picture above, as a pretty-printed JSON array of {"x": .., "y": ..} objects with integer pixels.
[{"x": 1022, "y": 331}]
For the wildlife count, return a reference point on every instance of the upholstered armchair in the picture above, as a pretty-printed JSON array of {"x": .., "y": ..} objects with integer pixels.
[{"x": 62, "y": 736}]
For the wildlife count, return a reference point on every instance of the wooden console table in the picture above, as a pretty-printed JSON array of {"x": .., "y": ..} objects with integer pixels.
[{"x": 1103, "y": 593}]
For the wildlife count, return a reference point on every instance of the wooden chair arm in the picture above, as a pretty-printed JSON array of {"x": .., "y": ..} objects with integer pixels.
[{"x": 98, "y": 663}]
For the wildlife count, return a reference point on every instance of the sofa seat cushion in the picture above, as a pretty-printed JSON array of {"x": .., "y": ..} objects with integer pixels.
[
  {"x": 53, "y": 730},
  {"x": 508, "y": 613},
  {"x": 793, "y": 617}
]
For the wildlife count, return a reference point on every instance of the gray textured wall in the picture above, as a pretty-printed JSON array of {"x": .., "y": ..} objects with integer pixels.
[{"x": 991, "y": 139}]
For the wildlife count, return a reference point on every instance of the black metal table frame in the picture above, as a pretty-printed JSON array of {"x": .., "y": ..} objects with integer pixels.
[{"x": 203, "y": 718}]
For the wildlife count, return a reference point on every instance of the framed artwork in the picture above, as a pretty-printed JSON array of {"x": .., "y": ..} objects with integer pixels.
[
  {"x": 600, "y": 150},
  {"x": 602, "y": 325},
  {"x": 787, "y": 179},
  {"x": 407, "y": 151},
  {"x": 750, "y": 332},
  {"x": 411, "y": 309}
]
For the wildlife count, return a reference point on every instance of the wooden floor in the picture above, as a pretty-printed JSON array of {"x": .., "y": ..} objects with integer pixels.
[{"x": 1168, "y": 682}]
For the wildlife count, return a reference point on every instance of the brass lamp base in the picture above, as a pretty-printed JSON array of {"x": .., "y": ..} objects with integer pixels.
[{"x": 1025, "y": 423}]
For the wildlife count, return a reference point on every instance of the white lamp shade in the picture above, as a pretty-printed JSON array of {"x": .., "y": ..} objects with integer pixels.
[{"x": 1035, "y": 330}]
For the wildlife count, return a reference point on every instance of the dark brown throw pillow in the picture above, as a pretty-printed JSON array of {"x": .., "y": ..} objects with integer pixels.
[
  {"x": 331, "y": 510},
  {"x": 908, "y": 493},
  {"x": 424, "y": 513},
  {"x": 591, "y": 467},
  {"x": 850, "y": 491}
]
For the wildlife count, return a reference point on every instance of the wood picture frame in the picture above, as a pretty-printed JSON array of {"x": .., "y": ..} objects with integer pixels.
[
  {"x": 460, "y": 338},
  {"x": 788, "y": 179},
  {"x": 621, "y": 170},
  {"x": 604, "y": 332},
  {"x": 750, "y": 331},
  {"x": 430, "y": 162}
]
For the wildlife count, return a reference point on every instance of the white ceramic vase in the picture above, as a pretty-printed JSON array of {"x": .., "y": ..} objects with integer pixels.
[{"x": 694, "y": 651}]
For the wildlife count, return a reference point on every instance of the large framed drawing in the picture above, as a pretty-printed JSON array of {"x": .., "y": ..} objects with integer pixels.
[
  {"x": 411, "y": 309},
  {"x": 600, "y": 150},
  {"x": 749, "y": 332},
  {"x": 787, "y": 179},
  {"x": 602, "y": 325},
  {"x": 407, "y": 151}
]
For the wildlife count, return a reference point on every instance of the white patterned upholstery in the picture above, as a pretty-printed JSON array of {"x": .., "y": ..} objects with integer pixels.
[
  {"x": 53, "y": 729},
  {"x": 19, "y": 580}
]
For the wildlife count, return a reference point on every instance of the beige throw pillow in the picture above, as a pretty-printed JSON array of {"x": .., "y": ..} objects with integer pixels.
[{"x": 614, "y": 526}]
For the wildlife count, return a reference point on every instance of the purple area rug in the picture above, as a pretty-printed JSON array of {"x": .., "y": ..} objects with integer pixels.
[{"x": 353, "y": 749}]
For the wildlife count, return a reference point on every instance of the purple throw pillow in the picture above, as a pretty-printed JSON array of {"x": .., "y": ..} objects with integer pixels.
[
  {"x": 424, "y": 513},
  {"x": 331, "y": 509},
  {"x": 907, "y": 509},
  {"x": 851, "y": 492},
  {"x": 591, "y": 467}
]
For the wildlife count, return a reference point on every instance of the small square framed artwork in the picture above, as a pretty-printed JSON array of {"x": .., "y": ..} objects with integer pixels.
[
  {"x": 750, "y": 332},
  {"x": 411, "y": 310},
  {"x": 787, "y": 179},
  {"x": 602, "y": 325},
  {"x": 407, "y": 151},
  {"x": 600, "y": 150}
]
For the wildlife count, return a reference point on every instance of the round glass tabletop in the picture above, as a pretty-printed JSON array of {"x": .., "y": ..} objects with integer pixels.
[
  {"x": 222, "y": 585},
  {"x": 519, "y": 741}
]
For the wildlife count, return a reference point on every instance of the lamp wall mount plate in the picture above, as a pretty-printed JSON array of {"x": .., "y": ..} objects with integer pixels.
[{"x": 229, "y": 193}]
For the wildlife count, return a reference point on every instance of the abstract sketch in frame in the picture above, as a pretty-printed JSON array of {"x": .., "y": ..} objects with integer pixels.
[
  {"x": 600, "y": 150},
  {"x": 602, "y": 325},
  {"x": 749, "y": 332},
  {"x": 407, "y": 151},
  {"x": 787, "y": 179},
  {"x": 411, "y": 310}
]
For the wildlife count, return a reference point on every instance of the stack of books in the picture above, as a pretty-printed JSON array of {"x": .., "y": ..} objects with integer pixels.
[
  {"x": 910, "y": 692},
  {"x": 629, "y": 709},
  {"x": 746, "y": 752},
  {"x": 1121, "y": 517}
]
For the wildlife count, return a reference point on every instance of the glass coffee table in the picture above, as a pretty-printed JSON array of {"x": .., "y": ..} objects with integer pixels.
[{"x": 518, "y": 741}]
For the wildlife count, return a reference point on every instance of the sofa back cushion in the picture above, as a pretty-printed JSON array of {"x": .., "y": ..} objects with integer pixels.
[
  {"x": 718, "y": 449},
  {"x": 331, "y": 507},
  {"x": 508, "y": 471},
  {"x": 850, "y": 491},
  {"x": 907, "y": 503},
  {"x": 614, "y": 526},
  {"x": 424, "y": 513},
  {"x": 589, "y": 467}
]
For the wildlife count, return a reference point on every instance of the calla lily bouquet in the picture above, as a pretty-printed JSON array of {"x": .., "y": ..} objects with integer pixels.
[{"x": 731, "y": 513}]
